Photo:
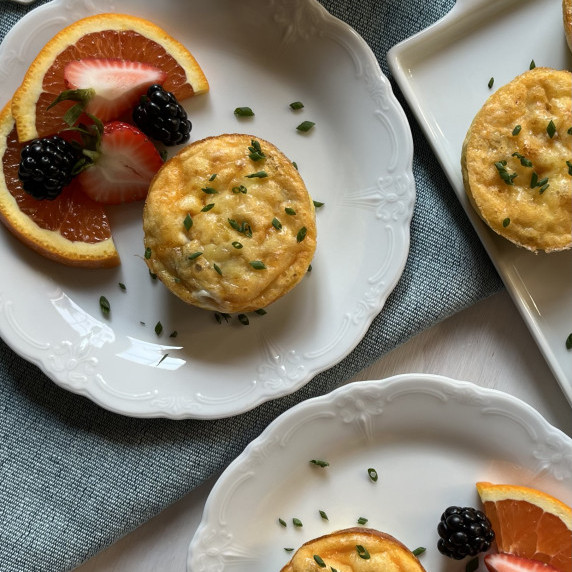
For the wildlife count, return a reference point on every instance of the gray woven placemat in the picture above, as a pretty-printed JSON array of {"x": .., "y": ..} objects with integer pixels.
[{"x": 75, "y": 477}]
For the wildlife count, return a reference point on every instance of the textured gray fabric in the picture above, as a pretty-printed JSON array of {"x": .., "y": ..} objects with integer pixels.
[{"x": 74, "y": 477}]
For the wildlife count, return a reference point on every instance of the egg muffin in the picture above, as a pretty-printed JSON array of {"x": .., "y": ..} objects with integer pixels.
[
  {"x": 516, "y": 160},
  {"x": 354, "y": 550},
  {"x": 228, "y": 224}
]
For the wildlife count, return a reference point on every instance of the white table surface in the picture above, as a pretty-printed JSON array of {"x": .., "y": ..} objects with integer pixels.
[{"x": 487, "y": 344}]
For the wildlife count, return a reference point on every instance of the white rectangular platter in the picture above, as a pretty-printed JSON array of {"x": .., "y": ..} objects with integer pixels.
[{"x": 443, "y": 73}]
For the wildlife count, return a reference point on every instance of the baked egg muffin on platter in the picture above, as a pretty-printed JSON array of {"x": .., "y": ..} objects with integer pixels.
[
  {"x": 357, "y": 549},
  {"x": 228, "y": 224},
  {"x": 516, "y": 160}
]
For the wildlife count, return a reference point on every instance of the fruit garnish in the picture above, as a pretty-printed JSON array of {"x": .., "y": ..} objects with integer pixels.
[
  {"x": 46, "y": 166},
  {"x": 103, "y": 36},
  {"x": 71, "y": 229},
  {"x": 503, "y": 562},
  {"x": 123, "y": 165},
  {"x": 114, "y": 85},
  {"x": 162, "y": 117},
  {"x": 464, "y": 531},
  {"x": 529, "y": 523}
]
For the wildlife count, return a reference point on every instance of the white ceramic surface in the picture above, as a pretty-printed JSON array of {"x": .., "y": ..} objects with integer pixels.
[
  {"x": 430, "y": 439},
  {"x": 357, "y": 160},
  {"x": 444, "y": 73}
]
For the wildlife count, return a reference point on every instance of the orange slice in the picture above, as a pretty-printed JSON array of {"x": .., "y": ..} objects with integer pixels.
[
  {"x": 101, "y": 36},
  {"x": 529, "y": 523},
  {"x": 71, "y": 229}
]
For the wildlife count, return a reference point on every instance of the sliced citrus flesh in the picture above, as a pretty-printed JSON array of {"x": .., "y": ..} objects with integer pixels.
[
  {"x": 71, "y": 229},
  {"x": 100, "y": 36},
  {"x": 529, "y": 523}
]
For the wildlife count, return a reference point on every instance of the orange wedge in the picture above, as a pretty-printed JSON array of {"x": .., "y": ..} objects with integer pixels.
[
  {"x": 529, "y": 523},
  {"x": 100, "y": 36},
  {"x": 71, "y": 229}
]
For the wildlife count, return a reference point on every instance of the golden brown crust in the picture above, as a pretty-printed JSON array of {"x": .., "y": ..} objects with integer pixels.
[
  {"x": 567, "y": 21},
  {"x": 223, "y": 277},
  {"x": 339, "y": 550},
  {"x": 534, "y": 217}
]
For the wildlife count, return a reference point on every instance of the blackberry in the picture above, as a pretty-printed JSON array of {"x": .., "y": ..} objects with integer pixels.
[
  {"x": 464, "y": 532},
  {"x": 46, "y": 166},
  {"x": 160, "y": 116}
]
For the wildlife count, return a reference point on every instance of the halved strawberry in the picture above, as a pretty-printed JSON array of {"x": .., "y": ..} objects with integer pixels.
[
  {"x": 504, "y": 562},
  {"x": 124, "y": 165},
  {"x": 117, "y": 84}
]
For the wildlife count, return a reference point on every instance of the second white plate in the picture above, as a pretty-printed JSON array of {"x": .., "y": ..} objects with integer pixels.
[
  {"x": 429, "y": 438},
  {"x": 357, "y": 160}
]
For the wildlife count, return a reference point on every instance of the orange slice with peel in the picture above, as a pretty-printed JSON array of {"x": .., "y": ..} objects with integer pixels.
[
  {"x": 71, "y": 229},
  {"x": 529, "y": 523},
  {"x": 100, "y": 36}
]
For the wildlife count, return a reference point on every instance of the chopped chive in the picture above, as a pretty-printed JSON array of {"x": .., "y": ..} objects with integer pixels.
[
  {"x": 523, "y": 160},
  {"x": 188, "y": 222},
  {"x": 257, "y": 175},
  {"x": 295, "y": 165},
  {"x": 362, "y": 520},
  {"x": 256, "y": 153},
  {"x": 257, "y": 264},
  {"x": 506, "y": 222},
  {"x": 153, "y": 275},
  {"x": 301, "y": 234},
  {"x": 207, "y": 208},
  {"x": 533, "y": 180},
  {"x": 241, "y": 189},
  {"x": 362, "y": 552},
  {"x": 319, "y": 561},
  {"x": 543, "y": 188},
  {"x": 289, "y": 549},
  {"x": 516, "y": 130},
  {"x": 174, "y": 334},
  {"x": 569, "y": 131},
  {"x": 243, "y": 319},
  {"x": 372, "y": 474},
  {"x": 289, "y": 211},
  {"x": 217, "y": 268},
  {"x": 209, "y": 190},
  {"x": 243, "y": 112},
  {"x": 323, "y": 515},
  {"x": 260, "y": 311},
  {"x": 491, "y": 82},
  {"x": 542, "y": 182},
  {"x": 148, "y": 253},
  {"x": 569, "y": 342},
  {"x": 296, "y": 105},
  {"x": 213, "y": 177},
  {"x": 309, "y": 268},
  {"x": 569, "y": 163},
  {"x": 318, "y": 204},
  {"x": 276, "y": 224},
  {"x": 504, "y": 174},
  {"x": 305, "y": 126},
  {"x": 282, "y": 522},
  {"x": 122, "y": 286},
  {"x": 320, "y": 463},
  {"x": 551, "y": 129},
  {"x": 104, "y": 305},
  {"x": 418, "y": 551},
  {"x": 158, "y": 328},
  {"x": 532, "y": 65},
  {"x": 237, "y": 244},
  {"x": 194, "y": 255},
  {"x": 472, "y": 565},
  {"x": 297, "y": 522}
]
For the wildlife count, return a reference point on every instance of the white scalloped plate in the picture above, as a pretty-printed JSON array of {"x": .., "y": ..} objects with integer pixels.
[
  {"x": 430, "y": 439},
  {"x": 444, "y": 72},
  {"x": 357, "y": 160}
]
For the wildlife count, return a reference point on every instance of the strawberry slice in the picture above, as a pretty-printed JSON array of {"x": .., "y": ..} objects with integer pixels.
[
  {"x": 123, "y": 167},
  {"x": 118, "y": 84},
  {"x": 504, "y": 562}
]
